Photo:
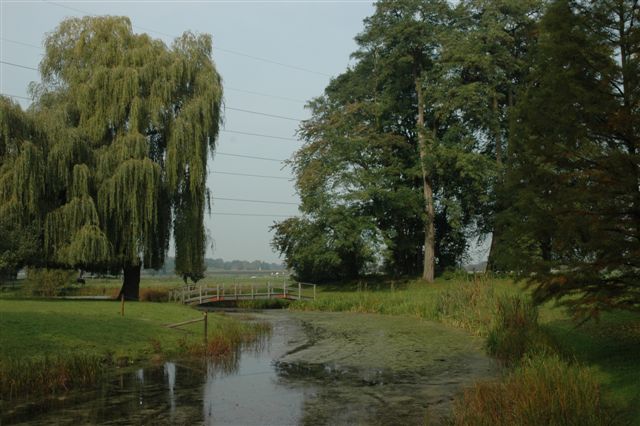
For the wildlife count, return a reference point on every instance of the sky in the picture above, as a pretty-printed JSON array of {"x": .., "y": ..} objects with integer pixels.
[{"x": 273, "y": 57}]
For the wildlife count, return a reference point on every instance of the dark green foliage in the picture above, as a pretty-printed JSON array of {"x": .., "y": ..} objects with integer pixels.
[
  {"x": 338, "y": 246},
  {"x": 572, "y": 228},
  {"x": 366, "y": 155}
]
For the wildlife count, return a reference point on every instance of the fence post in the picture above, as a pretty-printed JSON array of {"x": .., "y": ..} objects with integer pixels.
[
  {"x": 205, "y": 327},
  {"x": 201, "y": 294},
  {"x": 284, "y": 290},
  {"x": 299, "y": 291},
  {"x": 314, "y": 292},
  {"x": 218, "y": 291},
  {"x": 235, "y": 291},
  {"x": 252, "y": 292},
  {"x": 122, "y": 305}
]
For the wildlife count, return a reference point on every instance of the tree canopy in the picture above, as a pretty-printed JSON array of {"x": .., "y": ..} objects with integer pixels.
[{"x": 126, "y": 125}]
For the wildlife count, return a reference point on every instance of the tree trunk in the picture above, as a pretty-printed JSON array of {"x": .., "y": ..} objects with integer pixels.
[
  {"x": 131, "y": 282},
  {"x": 428, "y": 271}
]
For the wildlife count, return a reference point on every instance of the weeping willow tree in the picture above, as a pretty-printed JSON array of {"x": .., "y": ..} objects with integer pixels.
[{"x": 129, "y": 124}]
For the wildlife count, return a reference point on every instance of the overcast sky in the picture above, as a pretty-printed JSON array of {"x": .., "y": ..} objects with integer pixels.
[{"x": 314, "y": 39}]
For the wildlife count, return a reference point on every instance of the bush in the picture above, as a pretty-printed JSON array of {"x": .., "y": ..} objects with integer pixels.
[
  {"x": 515, "y": 331},
  {"x": 48, "y": 282},
  {"x": 543, "y": 390}
]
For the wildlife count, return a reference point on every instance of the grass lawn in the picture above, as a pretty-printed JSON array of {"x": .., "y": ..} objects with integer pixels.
[{"x": 30, "y": 328}]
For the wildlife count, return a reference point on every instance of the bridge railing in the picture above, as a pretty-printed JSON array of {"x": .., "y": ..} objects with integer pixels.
[{"x": 198, "y": 294}]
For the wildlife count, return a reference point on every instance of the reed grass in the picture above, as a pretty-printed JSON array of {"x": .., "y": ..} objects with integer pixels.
[{"x": 543, "y": 390}]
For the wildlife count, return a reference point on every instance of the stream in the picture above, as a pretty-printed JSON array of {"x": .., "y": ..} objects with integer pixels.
[{"x": 315, "y": 369}]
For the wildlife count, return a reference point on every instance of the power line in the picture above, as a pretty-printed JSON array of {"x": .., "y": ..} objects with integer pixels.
[
  {"x": 251, "y": 214},
  {"x": 21, "y": 43},
  {"x": 245, "y": 200},
  {"x": 18, "y": 65},
  {"x": 233, "y": 52},
  {"x": 266, "y": 95},
  {"x": 263, "y": 114},
  {"x": 16, "y": 96},
  {"x": 234, "y": 89},
  {"x": 222, "y": 130},
  {"x": 248, "y": 156},
  {"x": 259, "y": 134},
  {"x": 250, "y": 175}
]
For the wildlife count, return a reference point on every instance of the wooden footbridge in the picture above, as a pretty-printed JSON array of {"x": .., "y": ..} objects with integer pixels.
[{"x": 201, "y": 294}]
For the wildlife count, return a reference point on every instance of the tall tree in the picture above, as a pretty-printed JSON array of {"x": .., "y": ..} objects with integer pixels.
[
  {"x": 404, "y": 35},
  {"x": 485, "y": 60},
  {"x": 573, "y": 224},
  {"x": 129, "y": 124},
  {"x": 363, "y": 143}
]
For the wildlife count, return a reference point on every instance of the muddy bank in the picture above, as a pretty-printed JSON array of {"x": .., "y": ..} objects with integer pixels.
[{"x": 376, "y": 369}]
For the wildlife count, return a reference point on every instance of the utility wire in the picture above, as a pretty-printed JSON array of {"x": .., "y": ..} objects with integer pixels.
[
  {"x": 234, "y": 89},
  {"x": 263, "y": 114},
  {"x": 248, "y": 156},
  {"x": 251, "y": 214},
  {"x": 233, "y": 52},
  {"x": 259, "y": 134},
  {"x": 244, "y": 200},
  {"x": 222, "y": 130},
  {"x": 250, "y": 175},
  {"x": 18, "y": 65},
  {"x": 21, "y": 43},
  {"x": 16, "y": 96},
  {"x": 266, "y": 95}
]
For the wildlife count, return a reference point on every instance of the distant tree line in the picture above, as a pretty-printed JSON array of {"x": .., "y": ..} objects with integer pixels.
[
  {"x": 220, "y": 264},
  {"x": 518, "y": 119}
]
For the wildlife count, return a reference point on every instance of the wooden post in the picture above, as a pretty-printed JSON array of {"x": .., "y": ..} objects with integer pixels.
[
  {"x": 299, "y": 291},
  {"x": 122, "y": 305},
  {"x": 284, "y": 290},
  {"x": 314, "y": 292},
  {"x": 235, "y": 291},
  {"x": 183, "y": 295},
  {"x": 201, "y": 294},
  {"x": 252, "y": 292},
  {"x": 268, "y": 291},
  {"x": 206, "y": 324},
  {"x": 218, "y": 291}
]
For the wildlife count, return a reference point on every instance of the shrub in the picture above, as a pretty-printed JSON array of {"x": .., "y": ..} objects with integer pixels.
[
  {"x": 47, "y": 282},
  {"x": 543, "y": 390}
]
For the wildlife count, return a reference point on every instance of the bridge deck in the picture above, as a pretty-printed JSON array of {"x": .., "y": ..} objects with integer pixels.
[{"x": 199, "y": 295}]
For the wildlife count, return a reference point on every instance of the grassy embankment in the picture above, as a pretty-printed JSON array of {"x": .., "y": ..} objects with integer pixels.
[
  {"x": 558, "y": 373},
  {"x": 49, "y": 346}
]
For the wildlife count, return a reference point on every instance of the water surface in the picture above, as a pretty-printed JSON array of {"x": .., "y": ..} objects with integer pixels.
[{"x": 316, "y": 368}]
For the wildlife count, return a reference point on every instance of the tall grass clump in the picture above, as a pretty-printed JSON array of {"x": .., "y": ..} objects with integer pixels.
[
  {"x": 154, "y": 294},
  {"x": 515, "y": 331},
  {"x": 467, "y": 305},
  {"x": 25, "y": 377},
  {"x": 225, "y": 341},
  {"x": 542, "y": 390}
]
